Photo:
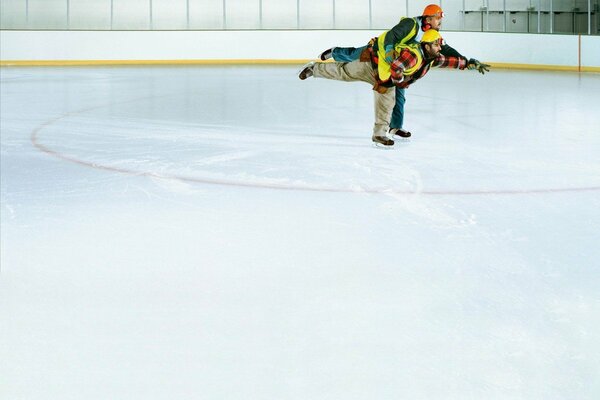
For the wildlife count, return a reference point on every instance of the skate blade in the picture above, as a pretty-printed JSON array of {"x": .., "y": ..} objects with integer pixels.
[{"x": 382, "y": 146}]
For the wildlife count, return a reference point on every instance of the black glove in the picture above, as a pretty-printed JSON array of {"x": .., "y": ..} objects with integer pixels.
[{"x": 475, "y": 64}]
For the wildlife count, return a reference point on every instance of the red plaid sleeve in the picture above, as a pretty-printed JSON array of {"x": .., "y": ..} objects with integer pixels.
[
  {"x": 404, "y": 61},
  {"x": 450, "y": 62}
]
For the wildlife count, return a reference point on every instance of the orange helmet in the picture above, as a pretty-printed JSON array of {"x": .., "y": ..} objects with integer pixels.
[{"x": 433, "y": 10}]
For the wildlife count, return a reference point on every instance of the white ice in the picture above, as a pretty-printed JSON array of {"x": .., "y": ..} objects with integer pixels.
[{"x": 231, "y": 233}]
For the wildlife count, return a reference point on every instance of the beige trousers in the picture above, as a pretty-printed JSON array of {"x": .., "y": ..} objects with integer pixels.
[{"x": 361, "y": 71}]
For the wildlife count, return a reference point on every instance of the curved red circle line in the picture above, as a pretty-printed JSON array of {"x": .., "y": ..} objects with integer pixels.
[{"x": 54, "y": 153}]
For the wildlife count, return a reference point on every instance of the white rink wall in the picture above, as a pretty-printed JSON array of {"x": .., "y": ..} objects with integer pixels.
[{"x": 534, "y": 49}]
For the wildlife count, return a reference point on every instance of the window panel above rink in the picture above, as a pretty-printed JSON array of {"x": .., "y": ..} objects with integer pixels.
[
  {"x": 242, "y": 14},
  {"x": 387, "y": 13},
  {"x": 452, "y": 15},
  {"x": 13, "y": 14},
  {"x": 131, "y": 15},
  {"x": 516, "y": 16},
  {"x": 47, "y": 14},
  {"x": 279, "y": 14},
  {"x": 416, "y": 7},
  {"x": 206, "y": 14},
  {"x": 352, "y": 14},
  {"x": 90, "y": 14},
  {"x": 169, "y": 14},
  {"x": 316, "y": 14}
]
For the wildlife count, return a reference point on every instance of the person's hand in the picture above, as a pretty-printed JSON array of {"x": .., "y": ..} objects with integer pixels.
[
  {"x": 475, "y": 64},
  {"x": 380, "y": 88}
]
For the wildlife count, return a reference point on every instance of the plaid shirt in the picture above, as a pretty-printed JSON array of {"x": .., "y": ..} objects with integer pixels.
[{"x": 407, "y": 60}]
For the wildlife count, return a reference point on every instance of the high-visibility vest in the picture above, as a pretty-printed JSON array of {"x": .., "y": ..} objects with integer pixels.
[
  {"x": 415, "y": 49},
  {"x": 383, "y": 67}
]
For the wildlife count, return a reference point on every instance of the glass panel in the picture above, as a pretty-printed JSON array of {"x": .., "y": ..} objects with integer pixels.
[
  {"x": 493, "y": 15},
  {"x": 242, "y": 14},
  {"x": 519, "y": 5},
  {"x": 416, "y": 7},
  {"x": 555, "y": 16},
  {"x": 545, "y": 5},
  {"x": 473, "y": 15},
  {"x": 452, "y": 15},
  {"x": 473, "y": 21},
  {"x": 518, "y": 21},
  {"x": 493, "y": 21},
  {"x": 47, "y": 14},
  {"x": 563, "y": 22},
  {"x": 542, "y": 13},
  {"x": 131, "y": 14},
  {"x": 583, "y": 17},
  {"x": 581, "y": 22},
  {"x": 581, "y": 6},
  {"x": 13, "y": 14},
  {"x": 533, "y": 22},
  {"x": 169, "y": 14},
  {"x": 495, "y": 5},
  {"x": 474, "y": 5},
  {"x": 89, "y": 14},
  {"x": 279, "y": 14},
  {"x": 316, "y": 14},
  {"x": 562, "y": 5},
  {"x": 206, "y": 14},
  {"x": 387, "y": 13},
  {"x": 351, "y": 14}
]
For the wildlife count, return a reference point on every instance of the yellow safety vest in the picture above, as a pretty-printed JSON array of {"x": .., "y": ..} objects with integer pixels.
[
  {"x": 414, "y": 48},
  {"x": 383, "y": 68}
]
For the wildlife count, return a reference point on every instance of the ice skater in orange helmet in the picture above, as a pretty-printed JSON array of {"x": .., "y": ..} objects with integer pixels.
[
  {"x": 411, "y": 62},
  {"x": 385, "y": 47}
]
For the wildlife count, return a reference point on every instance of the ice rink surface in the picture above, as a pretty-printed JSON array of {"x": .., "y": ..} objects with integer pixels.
[{"x": 231, "y": 233}]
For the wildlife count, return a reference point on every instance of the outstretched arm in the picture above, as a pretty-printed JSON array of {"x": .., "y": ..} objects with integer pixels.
[
  {"x": 442, "y": 61},
  {"x": 472, "y": 63},
  {"x": 450, "y": 52},
  {"x": 461, "y": 62}
]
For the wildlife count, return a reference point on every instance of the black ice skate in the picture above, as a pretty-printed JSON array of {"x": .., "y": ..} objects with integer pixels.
[
  {"x": 382, "y": 140},
  {"x": 400, "y": 132},
  {"x": 327, "y": 54},
  {"x": 307, "y": 71}
]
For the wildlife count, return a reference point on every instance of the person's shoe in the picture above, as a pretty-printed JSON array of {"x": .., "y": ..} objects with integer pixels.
[
  {"x": 400, "y": 132},
  {"x": 327, "y": 54},
  {"x": 307, "y": 71},
  {"x": 384, "y": 140}
]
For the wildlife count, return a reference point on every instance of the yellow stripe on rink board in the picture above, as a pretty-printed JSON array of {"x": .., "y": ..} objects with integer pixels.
[
  {"x": 590, "y": 69},
  {"x": 541, "y": 67},
  {"x": 45, "y": 63}
]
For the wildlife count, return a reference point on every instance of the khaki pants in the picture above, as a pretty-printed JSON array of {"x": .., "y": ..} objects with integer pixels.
[{"x": 361, "y": 71}]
